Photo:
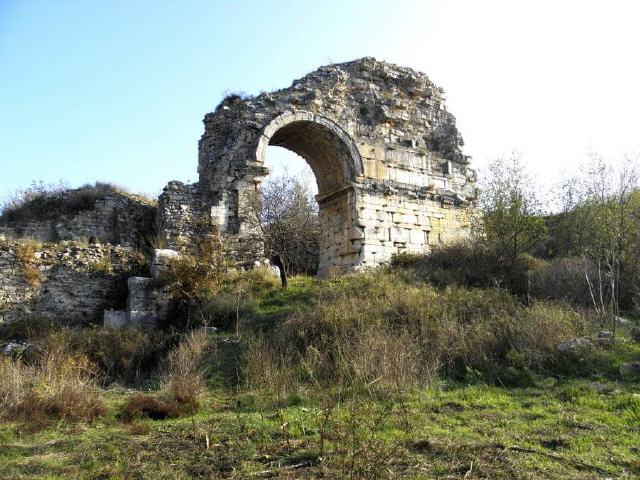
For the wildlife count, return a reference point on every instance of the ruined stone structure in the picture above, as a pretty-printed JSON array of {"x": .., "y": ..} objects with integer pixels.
[
  {"x": 388, "y": 164},
  {"x": 385, "y": 152},
  {"x": 116, "y": 217},
  {"x": 66, "y": 282}
]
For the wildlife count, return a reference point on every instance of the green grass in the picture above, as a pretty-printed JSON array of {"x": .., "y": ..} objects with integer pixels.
[
  {"x": 576, "y": 420},
  {"x": 559, "y": 429},
  {"x": 279, "y": 302}
]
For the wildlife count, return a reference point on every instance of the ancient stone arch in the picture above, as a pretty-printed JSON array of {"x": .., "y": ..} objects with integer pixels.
[
  {"x": 317, "y": 139},
  {"x": 385, "y": 152}
]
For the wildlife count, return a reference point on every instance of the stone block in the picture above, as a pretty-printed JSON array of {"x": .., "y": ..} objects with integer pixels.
[
  {"x": 148, "y": 305},
  {"x": 417, "y": 237},
  {"x": 398, "y": 235},
  {"x": 115, "y": 318},
  {"x": 161, "y": 260}
]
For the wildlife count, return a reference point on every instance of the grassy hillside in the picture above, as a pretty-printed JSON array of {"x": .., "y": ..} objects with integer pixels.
[{"x": 376, "y": 375}]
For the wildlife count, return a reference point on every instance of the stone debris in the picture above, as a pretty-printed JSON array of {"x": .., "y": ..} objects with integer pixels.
[
  {"x": 574, "y": 344},
  {"x": 630, "y": 370},
  {"x": 16, "y": 349}
]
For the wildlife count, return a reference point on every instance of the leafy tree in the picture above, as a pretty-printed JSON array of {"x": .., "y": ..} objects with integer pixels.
[
  {"x": 600, "y": 221},
  {"x": 289, "y": 226},
  {"x": 510, "y": 221}
]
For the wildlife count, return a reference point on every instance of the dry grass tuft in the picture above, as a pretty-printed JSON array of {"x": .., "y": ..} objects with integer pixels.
[
  {"x": 55, "y": 386},
  {"x": 181, "y": 385},
  {"x": 140, "y": 405},
  {"x": 28, "y": 262},
  {"x": 182, "y": 382}
]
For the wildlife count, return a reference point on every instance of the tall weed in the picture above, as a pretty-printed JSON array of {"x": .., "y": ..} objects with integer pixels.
[
  {"x": 381, "y": 331},
  {"x": 56, "y": 386}
]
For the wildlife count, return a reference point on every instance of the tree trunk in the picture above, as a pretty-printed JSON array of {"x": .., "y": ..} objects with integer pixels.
[{"x": 277, "y": 261}]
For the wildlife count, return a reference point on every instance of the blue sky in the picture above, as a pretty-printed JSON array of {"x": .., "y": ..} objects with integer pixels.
[{"x": 116, "y": 90}]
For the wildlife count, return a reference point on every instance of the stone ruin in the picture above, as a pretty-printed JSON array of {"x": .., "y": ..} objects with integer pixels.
[
  {"x": 387, "y": 159},
  {"x": 385, "y": 152}
]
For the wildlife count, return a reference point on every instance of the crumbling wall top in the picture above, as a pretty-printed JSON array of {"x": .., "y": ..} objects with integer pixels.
[{"x": 375, "y": 102}]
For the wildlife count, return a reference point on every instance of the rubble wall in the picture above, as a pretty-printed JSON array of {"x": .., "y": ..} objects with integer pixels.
[
  {"x": 67, "y": 283},
  {"x": 116, "y": 218}
]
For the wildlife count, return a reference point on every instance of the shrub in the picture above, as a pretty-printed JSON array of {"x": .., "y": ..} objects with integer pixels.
[
  {"x": 181, "y": 384},
  {"x": 129, "y": 356},
  {"x": 147, "y": 406},
  {"x": 56, "y": 386},
  {"x": 467, "y": 263},
  {"x": 195, "y": 276},
  {"x": 564, "y": 279},
  {"x": 379, "y": 331},
  {"x": 26, "y": 328}
]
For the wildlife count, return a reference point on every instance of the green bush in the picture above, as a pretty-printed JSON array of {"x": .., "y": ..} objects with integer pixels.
[
  {"x": 469, "y": 264},
  {"x": 380, "y": 330}
]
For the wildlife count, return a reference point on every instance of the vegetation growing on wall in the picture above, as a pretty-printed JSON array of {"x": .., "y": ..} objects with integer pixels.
[{"x": 42, "y": 201}]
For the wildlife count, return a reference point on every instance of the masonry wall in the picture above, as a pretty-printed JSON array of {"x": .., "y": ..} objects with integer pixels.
[
  {"x": 115, "y": 218},
  {"x": 68, "y": 283},
  {"x": 339, "y": 240},
  {"x": 182, "y": 216},
  {"x": 393, "y": 225}
]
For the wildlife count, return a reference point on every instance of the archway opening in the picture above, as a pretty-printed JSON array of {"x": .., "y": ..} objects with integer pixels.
[
  {"x": 289, "y": 213},
  {"x": 325, "y": 148}
]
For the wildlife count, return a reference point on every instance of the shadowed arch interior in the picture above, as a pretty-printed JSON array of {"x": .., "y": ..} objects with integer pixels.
[
  {"x": 336, "y": 163},
  {"x": 326, "y": 153}
]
